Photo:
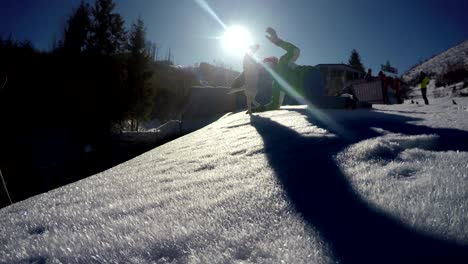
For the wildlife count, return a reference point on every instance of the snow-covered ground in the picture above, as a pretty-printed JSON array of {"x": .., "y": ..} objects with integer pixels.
[
  {"x": 454, "y": 90},
  {"x": 388, "y": 185}
]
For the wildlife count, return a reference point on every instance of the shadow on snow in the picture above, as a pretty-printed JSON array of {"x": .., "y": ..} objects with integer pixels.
[{"x": 320, "y": 192}]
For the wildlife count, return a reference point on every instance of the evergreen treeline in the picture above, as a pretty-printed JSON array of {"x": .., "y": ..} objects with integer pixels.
[
  {"x": 355, "y": 60},
  {"x": 99, "y": 76}
]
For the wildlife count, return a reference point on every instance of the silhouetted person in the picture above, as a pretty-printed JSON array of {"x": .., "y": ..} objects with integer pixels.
[
  {"x": 369, "y": 76},
  {"x": 301, "y": 81},
  {"x": 396, "y": 87},
  {"x": 423, "y": 82},
  {"x": 383, "y": 80}
]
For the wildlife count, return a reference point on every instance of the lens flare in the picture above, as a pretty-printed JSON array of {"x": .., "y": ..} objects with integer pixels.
[
  {"x": 236, "y": 40},
  {"x": 316, "y": 112},
  {"x": 204, "y": 5}
]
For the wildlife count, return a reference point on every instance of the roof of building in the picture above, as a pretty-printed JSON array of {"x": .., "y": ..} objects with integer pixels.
[{"x": 340, "y": 65}]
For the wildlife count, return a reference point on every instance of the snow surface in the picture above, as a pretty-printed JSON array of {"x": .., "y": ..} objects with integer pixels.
[
  {"x": 289, "y": 186},
  {"x": 454, "y": 90}
]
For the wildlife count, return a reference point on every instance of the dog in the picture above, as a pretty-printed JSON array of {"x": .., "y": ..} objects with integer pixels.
[{"x": 247, "y": 81}]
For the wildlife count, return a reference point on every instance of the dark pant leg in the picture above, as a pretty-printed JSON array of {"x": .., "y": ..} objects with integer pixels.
[
  {"x": 424, "y": 95},
  {"x": 385, "y": 95},
  {"x": 398, "y": 97}
]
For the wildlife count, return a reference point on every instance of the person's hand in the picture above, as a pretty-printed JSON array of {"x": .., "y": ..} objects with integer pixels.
[{"x": 273, "y": 37}]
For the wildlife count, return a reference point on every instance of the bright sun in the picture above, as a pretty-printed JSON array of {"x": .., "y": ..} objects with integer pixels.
[{"x": 236, "y": 40}]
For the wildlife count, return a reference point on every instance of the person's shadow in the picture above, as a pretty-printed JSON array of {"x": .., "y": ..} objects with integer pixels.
[{"x": 320, "y": 192}]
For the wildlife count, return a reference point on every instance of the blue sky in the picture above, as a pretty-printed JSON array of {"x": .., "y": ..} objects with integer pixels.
[{"x": 403, "y": 32}]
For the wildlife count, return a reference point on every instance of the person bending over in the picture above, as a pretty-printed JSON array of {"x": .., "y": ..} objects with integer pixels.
[{"x": 296, "y": 80}]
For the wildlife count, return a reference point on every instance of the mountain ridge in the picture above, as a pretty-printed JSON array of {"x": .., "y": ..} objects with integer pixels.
[{"x": 438, "y": 64}]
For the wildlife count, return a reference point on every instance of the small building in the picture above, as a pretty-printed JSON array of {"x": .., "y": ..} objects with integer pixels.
[
  {"x": 209, "y": 102},
  {"x": 336, "y": 76}
]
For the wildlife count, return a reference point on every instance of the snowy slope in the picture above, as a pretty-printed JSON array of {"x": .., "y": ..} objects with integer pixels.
[
  {"x": 452, "y": 91},
  {"x": 437, "y": 64},
  {"x": 288, "y": 186}
]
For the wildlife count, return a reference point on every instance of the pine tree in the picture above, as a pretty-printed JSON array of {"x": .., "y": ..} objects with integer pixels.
[
  {"x": 152, "y": 49},
  {"x": 140, "y": 95},
  {"x": 108, "y": 33},
  {"x": 137, "y": 36},
  {"x": 77, "y": 31},
  {"x": 355, "y": 60}
]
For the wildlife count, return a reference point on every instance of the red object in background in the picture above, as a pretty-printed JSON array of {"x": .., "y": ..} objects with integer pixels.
[
  {"x": 396, "y": 84},
  {"x": 383, "y": 78}
]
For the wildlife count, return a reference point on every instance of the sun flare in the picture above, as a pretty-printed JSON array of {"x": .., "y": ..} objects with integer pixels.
[{"x": 236, "y": 40}]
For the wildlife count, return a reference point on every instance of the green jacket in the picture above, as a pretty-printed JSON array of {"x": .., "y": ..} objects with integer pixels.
[
  {"x": 424, "y": 83},
  {"x": 289, "y": 72}
]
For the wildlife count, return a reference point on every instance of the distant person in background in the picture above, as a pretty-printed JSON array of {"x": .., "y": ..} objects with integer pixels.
[
  {"x": 369, "y": 76},
  {"x": 384, "y": 82},
  {"x": 423, "y": 82},
  {"x": 390, "y": 90},
  {"x": 397, "y": 88}
]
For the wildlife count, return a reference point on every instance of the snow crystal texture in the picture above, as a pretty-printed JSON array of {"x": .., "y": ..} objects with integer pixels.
[{"x": 216, "y": 195}]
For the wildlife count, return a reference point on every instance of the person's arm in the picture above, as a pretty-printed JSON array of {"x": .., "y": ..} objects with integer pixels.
[{"x": 292, "y": 52}]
